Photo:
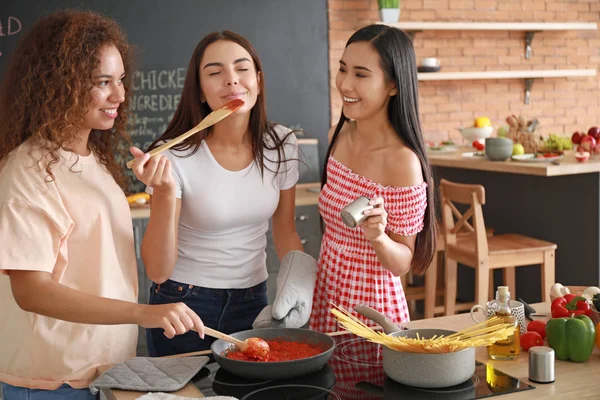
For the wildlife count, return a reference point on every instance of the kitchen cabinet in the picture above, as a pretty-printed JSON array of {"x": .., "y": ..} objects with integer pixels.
[{"x": 144, "y": 284}]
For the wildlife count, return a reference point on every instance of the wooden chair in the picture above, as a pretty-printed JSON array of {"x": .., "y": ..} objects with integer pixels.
[
  {"x": 484, "y": 253},
  {"x": 432, "y": 287},
  {"x": 434, "y": 282}
]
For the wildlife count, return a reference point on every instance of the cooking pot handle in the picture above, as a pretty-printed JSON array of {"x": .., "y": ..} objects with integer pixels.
[{"x": 375, "y": 316}]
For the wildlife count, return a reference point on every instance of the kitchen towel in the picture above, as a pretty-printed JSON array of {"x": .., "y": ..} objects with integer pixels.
[{"x": 148, "y": 374}]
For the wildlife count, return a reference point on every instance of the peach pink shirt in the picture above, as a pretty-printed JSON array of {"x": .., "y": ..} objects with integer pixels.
[{"x": 77, "y": 228}]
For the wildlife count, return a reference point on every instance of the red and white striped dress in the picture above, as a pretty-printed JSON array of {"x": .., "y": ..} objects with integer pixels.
[{"x": 349, "y": 271}]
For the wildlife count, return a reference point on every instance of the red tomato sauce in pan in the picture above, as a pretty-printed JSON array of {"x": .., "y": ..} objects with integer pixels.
[{"x": 280, "y": 351}]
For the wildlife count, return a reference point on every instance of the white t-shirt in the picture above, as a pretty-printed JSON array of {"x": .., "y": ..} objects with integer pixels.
[{"x": 225, "y": 215}]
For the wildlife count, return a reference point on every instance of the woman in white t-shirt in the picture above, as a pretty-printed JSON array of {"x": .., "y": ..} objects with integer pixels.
[{"x": 213, "y": 196}]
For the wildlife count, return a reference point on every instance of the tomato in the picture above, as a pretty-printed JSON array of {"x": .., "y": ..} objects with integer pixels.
[
  {"x": 530, "y": 339},
  {"x": 478, "y": 145},
  {"x": 537, "y": 326}
]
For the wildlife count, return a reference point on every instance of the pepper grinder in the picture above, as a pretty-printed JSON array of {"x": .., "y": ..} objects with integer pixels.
[{"x": 541, "y": 364}]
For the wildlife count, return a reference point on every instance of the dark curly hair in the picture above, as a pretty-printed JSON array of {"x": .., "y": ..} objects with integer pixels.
[{"x": 47, "y": 87}]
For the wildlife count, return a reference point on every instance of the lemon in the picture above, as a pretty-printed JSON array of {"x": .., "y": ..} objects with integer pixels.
[
  {"x": 139, "y": 198},
  {"x": 518, "y": 149},
  {"x": 481, "y": 122}
]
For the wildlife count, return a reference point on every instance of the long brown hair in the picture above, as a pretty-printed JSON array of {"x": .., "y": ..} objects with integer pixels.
[
  {"x": 47, "y": 87},
  {"x": 398, "y": 62},
  {"x": 191, "y": 110}
]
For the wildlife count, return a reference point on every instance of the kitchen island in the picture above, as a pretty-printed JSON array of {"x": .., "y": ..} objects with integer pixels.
[
  {"x": 558, "y": 202},
  {"x": 573, "y": 380}
]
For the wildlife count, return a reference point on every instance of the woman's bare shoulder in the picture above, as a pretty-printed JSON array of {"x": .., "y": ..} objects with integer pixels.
[{"x": 403, "y": 167}]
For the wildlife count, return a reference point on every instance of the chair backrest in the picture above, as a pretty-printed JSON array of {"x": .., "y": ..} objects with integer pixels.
[{"x": 453, "y": 221}]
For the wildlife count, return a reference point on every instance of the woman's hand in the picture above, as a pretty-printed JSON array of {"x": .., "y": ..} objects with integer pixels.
[
  {"x": 374, "y": 226},
  {"x": 174, "y": 319},
  {"x": 153, "y": 171}
]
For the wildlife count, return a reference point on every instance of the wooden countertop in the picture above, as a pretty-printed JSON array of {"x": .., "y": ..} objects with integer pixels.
[
  {"x": 568, "y": 165},
  {"x": 573, "y": 380},
  {"x": 307, "y": 194}
]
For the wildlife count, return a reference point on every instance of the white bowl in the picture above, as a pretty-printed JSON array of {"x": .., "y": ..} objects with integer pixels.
[
  {"x": 473, "y": 133},
  {"x": 430, "y": 62}
]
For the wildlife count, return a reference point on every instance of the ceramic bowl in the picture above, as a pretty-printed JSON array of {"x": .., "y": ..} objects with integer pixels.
[
  {"x": 472, "y": 133},
  {"x": 498, "y": 149},
  {"x": 430, "y": 62}
]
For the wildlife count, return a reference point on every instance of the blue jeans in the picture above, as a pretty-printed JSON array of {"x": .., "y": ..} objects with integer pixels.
[
  {"x": 226, "y": 310},
  {"x": 65, "y": 392}
]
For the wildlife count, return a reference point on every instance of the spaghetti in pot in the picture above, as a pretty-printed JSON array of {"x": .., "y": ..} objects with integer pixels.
[{"x": 482, "y": 334}]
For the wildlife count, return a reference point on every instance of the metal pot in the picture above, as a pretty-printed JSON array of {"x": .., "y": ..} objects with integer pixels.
[
  {"x": 279, "y": 369},
  {"x": 422, "y": 370}
]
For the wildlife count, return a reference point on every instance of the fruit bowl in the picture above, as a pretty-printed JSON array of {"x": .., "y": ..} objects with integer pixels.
[{"x": 472, "y": 133}]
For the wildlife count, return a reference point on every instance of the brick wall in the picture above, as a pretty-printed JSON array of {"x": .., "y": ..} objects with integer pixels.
[{"x": 562, "y": 105}]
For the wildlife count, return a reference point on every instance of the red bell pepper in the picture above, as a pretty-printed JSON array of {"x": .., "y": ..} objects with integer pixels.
[{"x": 563, "y": 307}]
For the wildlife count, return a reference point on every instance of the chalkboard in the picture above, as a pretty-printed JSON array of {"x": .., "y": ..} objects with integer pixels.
[{"x": 289, "y": 35}]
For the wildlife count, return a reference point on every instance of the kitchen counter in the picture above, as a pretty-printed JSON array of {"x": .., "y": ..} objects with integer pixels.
[
  {"x": 573, "y": 380},
  {"x": 307, "y": 194},
  {"x": 557, "y": 203},
  {"x": 567, "y": 165}
]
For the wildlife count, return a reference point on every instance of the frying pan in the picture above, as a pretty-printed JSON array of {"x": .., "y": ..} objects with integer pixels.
[{"x": 278, "y": 369}]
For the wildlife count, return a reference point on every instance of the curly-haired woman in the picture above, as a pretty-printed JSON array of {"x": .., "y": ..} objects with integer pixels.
[{"x": 68, "y": 280}]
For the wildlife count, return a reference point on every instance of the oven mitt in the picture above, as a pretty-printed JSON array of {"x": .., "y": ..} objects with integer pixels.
[
  {"x": 148, "y": 374},
  {"x": 294, "y": 296}
]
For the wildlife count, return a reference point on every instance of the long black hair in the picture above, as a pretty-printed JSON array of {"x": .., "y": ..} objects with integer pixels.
[{"x": 398, "y": 61}]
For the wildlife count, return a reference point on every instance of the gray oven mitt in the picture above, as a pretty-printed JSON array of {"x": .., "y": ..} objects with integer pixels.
[
  {"x": 293, "y": 301},
  {"x": 147, "y": 374}
]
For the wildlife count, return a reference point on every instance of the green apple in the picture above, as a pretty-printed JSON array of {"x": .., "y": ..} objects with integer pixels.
[
  {"x": 518, "y": 149},
  {"x": 502, "y": 131}
]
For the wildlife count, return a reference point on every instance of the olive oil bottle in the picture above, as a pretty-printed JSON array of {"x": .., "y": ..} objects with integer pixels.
[{"x": 509, "y": 348}]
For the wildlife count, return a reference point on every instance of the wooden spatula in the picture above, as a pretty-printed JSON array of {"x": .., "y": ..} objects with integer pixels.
[
  {"x": 208, "y": 121},
  {"x": 251, "y": 347}
]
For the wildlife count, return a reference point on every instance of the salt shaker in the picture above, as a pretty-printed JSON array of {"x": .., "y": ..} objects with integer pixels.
[
  {"x": 352, "y": 214},
  {"x": 541, "y": 364}
]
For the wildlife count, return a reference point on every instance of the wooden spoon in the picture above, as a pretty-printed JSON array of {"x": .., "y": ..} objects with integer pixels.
[
  {"x": 252, "y": 347},
  {"x": 208, "y": 121}
]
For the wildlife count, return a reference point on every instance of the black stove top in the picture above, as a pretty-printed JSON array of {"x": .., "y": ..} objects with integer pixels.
[{"x": 355, "y": 371}]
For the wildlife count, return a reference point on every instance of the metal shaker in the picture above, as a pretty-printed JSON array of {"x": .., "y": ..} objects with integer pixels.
[
  {"x": 541, "y": 364},
  {"x": 352, "y": 214}
]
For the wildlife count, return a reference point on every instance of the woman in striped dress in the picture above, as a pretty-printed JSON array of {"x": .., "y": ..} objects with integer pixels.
[{"x": 377, "y": 151}]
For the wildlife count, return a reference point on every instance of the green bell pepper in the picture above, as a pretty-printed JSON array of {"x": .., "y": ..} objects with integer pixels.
[{"x": 571, "y": 338}]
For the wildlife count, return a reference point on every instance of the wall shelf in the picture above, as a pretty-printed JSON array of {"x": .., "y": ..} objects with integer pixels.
[
  {"x": 495, "y": 26},
  {"x": 529, "y": 27},
  {"x": 528, "y": 76},
  {"x": 466, "y": 75}
]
